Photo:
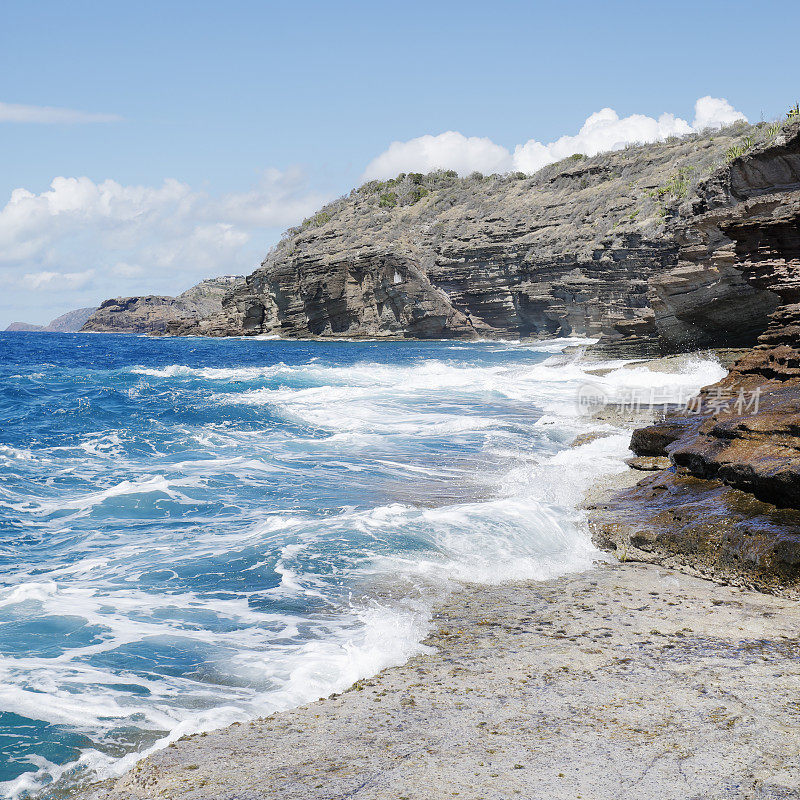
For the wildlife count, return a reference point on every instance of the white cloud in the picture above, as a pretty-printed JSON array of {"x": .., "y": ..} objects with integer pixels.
[
  {"x": 49, "y": 115},
  {"x": 59, "y": 280},
  {"x": 450, "y": 150},
  {"x": 604, "y": 130},
  {"x": 275, "y": 201},
  {"x": 83, "y": 241},
  {"x": 715, "y": 112}
]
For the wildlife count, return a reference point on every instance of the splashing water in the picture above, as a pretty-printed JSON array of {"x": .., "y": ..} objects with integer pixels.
[{"x": 195, "y": 532}]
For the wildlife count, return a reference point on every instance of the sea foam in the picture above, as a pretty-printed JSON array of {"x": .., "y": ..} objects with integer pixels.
[{"x": 241, "y": 527}]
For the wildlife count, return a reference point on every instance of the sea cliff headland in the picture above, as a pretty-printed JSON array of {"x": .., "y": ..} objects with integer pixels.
[
  {"x": 671, "y": 247},
  {"x": 585, "y": 247}
]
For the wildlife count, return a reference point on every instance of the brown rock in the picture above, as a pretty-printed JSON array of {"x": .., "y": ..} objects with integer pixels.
[
  {"x": 648, "y": 463},
  {"x": 654, "y": 440}
]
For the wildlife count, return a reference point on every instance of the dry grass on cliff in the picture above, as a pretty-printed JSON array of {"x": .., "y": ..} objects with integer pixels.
[{"x": 630, "y": 192}]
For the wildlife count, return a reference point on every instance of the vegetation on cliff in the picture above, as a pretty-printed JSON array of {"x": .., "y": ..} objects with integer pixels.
[{"x": 567, "y": 251}]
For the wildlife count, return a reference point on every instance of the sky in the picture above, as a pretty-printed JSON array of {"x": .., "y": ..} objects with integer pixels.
[{"x": 146, "y": 146}]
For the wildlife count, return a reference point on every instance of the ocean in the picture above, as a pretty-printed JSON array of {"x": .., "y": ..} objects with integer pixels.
[{"x": 195, "y": 532}]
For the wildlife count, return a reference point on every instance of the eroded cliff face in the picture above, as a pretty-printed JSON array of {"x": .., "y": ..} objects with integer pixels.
[
  {"x": 152, "y": 314},
  {"x": 569, "y": 251},
  {"x": 730, "y": 502}
]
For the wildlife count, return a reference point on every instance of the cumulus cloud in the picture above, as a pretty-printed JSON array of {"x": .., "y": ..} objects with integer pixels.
[
  {"x": 715, "y": 112},
  {"x": 603, "y": 130},
  {"x": 83, "y": 241},
  {"x": 49, "y": 115},
  {"x": 450, "y": 150}
]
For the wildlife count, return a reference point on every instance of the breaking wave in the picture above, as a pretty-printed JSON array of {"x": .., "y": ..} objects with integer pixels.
[{"x": 199, "y": 532}]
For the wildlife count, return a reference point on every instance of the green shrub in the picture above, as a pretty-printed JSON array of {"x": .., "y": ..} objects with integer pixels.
[
  {"x": 794, "y": 112},
  {"x": 417, "y": 193},
  {"x": 320, "y": 218},
  {"x": 737, "y": 150},
  {"x": 733, "y": 152},
  {"x": 677, "y": 185},
  {"x": 388, "y": 200},
  {"x": 371, "y": 187}
]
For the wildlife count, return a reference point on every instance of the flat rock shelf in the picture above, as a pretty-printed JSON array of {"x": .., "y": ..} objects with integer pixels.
[{"x": 628, "y": 681}]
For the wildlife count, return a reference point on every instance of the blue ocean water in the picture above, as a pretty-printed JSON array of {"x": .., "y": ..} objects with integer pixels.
[{"x": 194, "y": 532}]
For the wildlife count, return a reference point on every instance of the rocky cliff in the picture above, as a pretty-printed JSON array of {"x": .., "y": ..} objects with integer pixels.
[
  {"x": 568, "y": 251},
  {"x": 730, "y": 501},
  {"x": 154, "y": 313},
  {"x": 71, "y": 322}
]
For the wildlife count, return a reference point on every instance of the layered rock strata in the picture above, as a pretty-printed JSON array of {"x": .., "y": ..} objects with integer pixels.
[
  {"x": 730, "y": 501},
  {"x": 569, "y": 251},
  {"x": 153, "y": 314}
]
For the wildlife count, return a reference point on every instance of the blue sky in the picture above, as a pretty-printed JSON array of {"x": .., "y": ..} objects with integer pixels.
[{"x": 215, "y": 94}]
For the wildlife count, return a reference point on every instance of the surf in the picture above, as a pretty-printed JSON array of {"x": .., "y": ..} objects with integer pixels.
[{"x": 197, "y": 532}]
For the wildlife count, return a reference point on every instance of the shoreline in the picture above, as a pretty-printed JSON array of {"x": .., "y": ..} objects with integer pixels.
[{"x": 629, "y": 680}]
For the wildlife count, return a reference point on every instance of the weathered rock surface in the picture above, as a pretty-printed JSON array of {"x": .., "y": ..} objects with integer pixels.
[
  {"x": 568, "y": 251},
  {"x": 623, "y": 682},
  {"x": 154, "y": 313},
  {"x": 71, "y": 322},
  {"x": 704, "y": 305},
  {"x": 732, "y": 499},
  {"x": 648, "y": 463}
]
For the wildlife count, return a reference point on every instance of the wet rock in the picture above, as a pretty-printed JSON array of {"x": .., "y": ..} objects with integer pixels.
[
  {"x": 586, "y": 438},
  {"x": 655, "y": 439},
  {"x": 648, "y": 463},
  {"x": 674, "y": 520}
]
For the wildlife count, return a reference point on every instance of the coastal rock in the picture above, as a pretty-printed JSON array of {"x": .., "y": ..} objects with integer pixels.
[
  {"x": 648, "y": 463},
  {"x": 153, "y": 314},
  {"x": 733, "y": 500},
  {"x": 745, "y": 430},
  {"x": 677, "y": 520},
  {"x": 570, "y": 251},
  {"x": 708, "y": 305},
  {"x": 654, "y": 440}
]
